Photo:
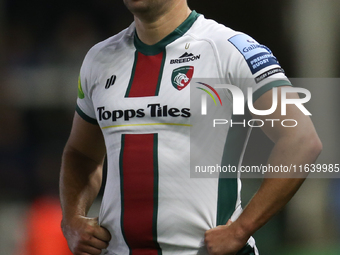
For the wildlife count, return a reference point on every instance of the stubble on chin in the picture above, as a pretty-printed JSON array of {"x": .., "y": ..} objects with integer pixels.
[
  {"x": 140, "y": 6},
  {"x": 148, "y": 10}
]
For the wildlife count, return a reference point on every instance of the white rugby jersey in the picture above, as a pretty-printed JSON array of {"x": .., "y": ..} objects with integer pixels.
[{"x": 139, "y": 95}]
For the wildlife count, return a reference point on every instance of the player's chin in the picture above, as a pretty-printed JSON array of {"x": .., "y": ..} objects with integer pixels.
[{"x": 137, "y": 5}]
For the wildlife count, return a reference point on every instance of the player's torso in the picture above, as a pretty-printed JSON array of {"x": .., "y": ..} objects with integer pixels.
[
  {"x": 141, "y": 96},
  {"x": 142, "y": 103},
  {"x": 136, "y": 88}
]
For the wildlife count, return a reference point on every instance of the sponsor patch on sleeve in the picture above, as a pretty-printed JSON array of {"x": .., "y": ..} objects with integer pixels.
[
  {"x": 270, "y": 72},
  {"x": 257, "y": 56}
]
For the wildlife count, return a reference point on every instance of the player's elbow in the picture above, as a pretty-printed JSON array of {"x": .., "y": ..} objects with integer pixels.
[{"x": 312, "y": 144}]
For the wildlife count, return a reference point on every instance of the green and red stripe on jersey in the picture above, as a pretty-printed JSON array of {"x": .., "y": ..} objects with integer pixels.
[
  {"x": 146, "y": 75},
  {"x": 149, "y": 61},
  {"x": 139, "y": 192}
]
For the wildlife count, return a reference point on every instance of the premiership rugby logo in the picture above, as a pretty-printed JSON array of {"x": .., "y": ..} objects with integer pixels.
[{"x": 181, "y": 77}]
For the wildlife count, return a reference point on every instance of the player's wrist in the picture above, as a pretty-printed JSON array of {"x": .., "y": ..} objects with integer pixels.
[
  {"x": 242, "y": 230},
  {"x": 70, "y": 218}
]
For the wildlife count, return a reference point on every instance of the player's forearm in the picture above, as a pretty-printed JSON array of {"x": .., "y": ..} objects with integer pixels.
[
  {"x": 275, "y": 193},
  {"x": 80, "y": 181}
]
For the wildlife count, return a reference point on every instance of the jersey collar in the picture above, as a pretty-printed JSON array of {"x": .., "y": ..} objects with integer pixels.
[{"x": 160, "y": 46}]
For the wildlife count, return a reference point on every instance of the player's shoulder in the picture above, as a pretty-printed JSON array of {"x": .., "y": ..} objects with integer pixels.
[
  {"x": 208, "y": 28},
  {"x": 223, "y": 37},
  {"x": 110, "y": 46}
]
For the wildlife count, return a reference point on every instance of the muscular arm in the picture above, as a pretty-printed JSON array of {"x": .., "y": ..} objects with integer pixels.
[
  {"x": 80, "y": 181},
  {"x": 81, "y": 170},
  {"x": 298, "y": 145}
]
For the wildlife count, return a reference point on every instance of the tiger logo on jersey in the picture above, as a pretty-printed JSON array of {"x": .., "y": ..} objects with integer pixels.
[{"x": 182, "y": 76}]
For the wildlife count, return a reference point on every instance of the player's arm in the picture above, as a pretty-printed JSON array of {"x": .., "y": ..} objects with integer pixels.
[
  {"x": 80, "y": 181},
  {"x": 297, "y": 146}
]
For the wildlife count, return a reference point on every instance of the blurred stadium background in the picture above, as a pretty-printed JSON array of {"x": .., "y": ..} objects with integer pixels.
[{"x": 42, "y": 45}]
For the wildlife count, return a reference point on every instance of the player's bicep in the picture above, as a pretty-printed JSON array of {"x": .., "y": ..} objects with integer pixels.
[
  {"x": 275, "y": 126},
  {"x": 86, "y": 139}
]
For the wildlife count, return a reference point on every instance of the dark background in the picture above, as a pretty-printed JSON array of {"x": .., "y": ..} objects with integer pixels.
[
  {"x": 44, "y": 42},
  {"x": 59, "y": 33}
]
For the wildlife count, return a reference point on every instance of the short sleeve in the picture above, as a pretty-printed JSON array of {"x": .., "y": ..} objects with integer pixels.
[
  {"x": 255, "y": 66},
  {"x": 84, "y": 101}
]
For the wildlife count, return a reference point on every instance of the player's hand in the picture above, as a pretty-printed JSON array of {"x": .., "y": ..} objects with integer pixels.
[
  {"x": 85, "y": 236},
  {"x": 225, "y": 239}
]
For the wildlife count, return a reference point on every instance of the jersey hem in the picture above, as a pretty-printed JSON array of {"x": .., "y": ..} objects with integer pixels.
[{"x": 85, "y": 117}]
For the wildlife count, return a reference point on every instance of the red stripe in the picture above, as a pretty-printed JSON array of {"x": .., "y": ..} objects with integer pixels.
[
  {"x": 145, "y": 80},
  {"x": 138, "y": 192}
]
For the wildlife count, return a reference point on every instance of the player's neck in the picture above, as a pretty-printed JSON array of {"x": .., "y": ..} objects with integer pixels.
[{"x": 151, "y": 31}]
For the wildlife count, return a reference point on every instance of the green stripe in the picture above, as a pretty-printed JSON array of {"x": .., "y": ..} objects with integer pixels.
[
  {"x": 155, "y": 192},
  {"x": 177, "y": 33},
  {"x": 227, "y": 183},
  {"x": 227, "y": 196},
  {"x": 122, "y": 190},
  {"x": 269, "y": 86},
  {"x": 160, "y": 73},
  {"x": 132, "y": 74},
  {"x": 85, "y": 117},
  {"x": 246, "y": 250}
]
